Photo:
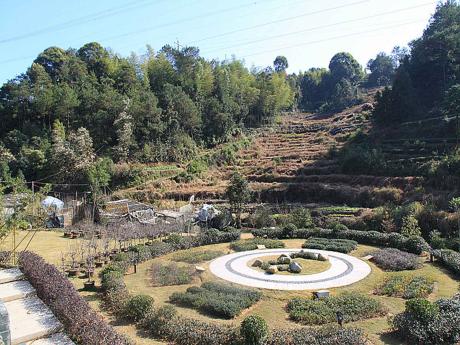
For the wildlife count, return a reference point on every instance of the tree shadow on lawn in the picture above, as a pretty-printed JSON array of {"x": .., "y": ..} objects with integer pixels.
[{"x": 391, "y": 338}]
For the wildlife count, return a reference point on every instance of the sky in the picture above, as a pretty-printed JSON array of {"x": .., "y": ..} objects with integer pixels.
[{"x": 307, "y": 32}]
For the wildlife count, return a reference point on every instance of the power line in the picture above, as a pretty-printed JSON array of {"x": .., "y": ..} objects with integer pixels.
[
  {"x": 82, "y": 20},
  {"x": 322, "y": 27},
  {"x": 332, "y": 38},
  {"x": 281, "y": 20},
  {"x": 184, "y": 20}
]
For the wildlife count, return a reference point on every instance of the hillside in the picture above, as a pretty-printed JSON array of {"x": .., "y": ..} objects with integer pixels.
[{"x": 290, "y": 162}]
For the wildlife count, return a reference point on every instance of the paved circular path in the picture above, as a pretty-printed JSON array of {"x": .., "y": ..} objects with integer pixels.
[{"x": 344, "y": 270}]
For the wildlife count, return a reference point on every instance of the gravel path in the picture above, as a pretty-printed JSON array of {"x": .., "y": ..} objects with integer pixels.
[{"x": 344, "y": 270}]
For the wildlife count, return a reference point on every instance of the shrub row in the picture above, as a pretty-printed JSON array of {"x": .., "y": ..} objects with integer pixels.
[
  {"x": 354, "y": 306},
  {"x": 330, "y": 335},
  {"x": 251, "y": 244},
  {"x": 392, "y": 259},
  {"x": 81, "y": 322},
  {"x": 206, "y": 237},
  {"x": 413, "y": 244},
  {"x": 216, "y": 299},
  {"x": 336, "y": 245},
  {"x": 448, "y": 258},
  {"x": 406, "y": 287},
  {"x": 424, "y": 322},
  {"x": 196, "y": 256}
]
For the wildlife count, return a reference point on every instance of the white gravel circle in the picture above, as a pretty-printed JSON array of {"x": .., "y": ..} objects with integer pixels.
[{"x": 345, "y": 270}]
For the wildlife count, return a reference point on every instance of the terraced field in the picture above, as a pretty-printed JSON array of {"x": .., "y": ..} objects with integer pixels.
[{"x": 292, "y": 162}]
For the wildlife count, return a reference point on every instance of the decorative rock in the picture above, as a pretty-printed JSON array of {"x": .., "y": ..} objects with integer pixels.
[
  {"x": 261, "y": 246},
  {"x": 283, "y": 268},
  {"x": 272, "y": 270},
  {"x": 200, "y": 269},
  {"x": 284, "y": 260},
  {"x": 257, "y": 263},
  {"x": 295, "y": 267},
  {"x": 323, "y": 257},
  {"x": 312, "y": 256}
]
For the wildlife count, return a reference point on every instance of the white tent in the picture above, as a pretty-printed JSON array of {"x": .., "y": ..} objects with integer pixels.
[{"x": 52, "y": 204}]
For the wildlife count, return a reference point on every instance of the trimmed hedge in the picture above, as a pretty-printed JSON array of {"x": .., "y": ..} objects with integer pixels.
[
  {"x": 354, "y": 307},
  {"x": 335, "y": 245},
  {"x": 196, "y": 256},
  {"x": 414, "y": 244},
  {"x": 392, "y": 259},
  {"x": 448, "y": 258},
  {"x": 217, "y": 299},
  {"x": 251, "y": 244},
  {"x": 81, "y": 322},
  {"x": 406, "y": 287},
  {"x": 424, "y": 322},
  {"x": 330, "y": 335},
  {"x": 184, "y": 331}
]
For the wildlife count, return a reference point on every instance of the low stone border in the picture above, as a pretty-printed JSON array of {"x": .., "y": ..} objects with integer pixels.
[{"x": 345, "y": 270}]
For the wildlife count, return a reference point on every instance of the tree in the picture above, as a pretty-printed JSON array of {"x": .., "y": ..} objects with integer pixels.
[
  {"x": 344, "y": 66},
  {"x": 382, "y": 70},
  {"x": 455, "y": 205},
  {"x": 238, "y": 195},
  {"x": 280, "y": 64},
  {"x": 124, "y": 131},
  {"x": 410, "y": 226},
  {"x": 451, "y": 107},
  {"x": 254, "y": 330}
]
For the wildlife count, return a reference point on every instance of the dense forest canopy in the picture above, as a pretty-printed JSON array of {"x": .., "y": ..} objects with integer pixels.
[{"x": 74, "y": 110}]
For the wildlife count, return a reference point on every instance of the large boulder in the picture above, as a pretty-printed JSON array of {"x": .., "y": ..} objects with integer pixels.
[
  {"x": 312, "y": 256},
  {"x": 257, "y": 263},
  {"x": 284, "y": 260},
  {"x": 323, "y": 257},
  {"x": 295, "y": 267},
  {"x": 272, "y": 270}
]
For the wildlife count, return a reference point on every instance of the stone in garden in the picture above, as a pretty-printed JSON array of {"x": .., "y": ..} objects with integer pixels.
[
  {"x": 312, "y": 256},
  {"x": 261, "y": 246},
  {"x": 200, "y": 269},
  {"x": 257, "y": 263},
  {"x": 295, "y": 267},
  {"x": 284, "y": 260},
  {"x": 323, "y": 257},
  {"x": 272, "y": 269}
]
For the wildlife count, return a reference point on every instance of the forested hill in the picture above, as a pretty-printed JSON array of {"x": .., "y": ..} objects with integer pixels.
[{"x": 74, "y": 113}]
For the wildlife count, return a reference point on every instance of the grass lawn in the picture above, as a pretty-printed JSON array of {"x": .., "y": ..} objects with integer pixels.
[
  {"x": 308, "y": 266},
  {"x": 50, "y": 244}
]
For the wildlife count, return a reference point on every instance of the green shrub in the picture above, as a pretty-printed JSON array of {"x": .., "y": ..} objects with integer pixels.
[
  {"x": 251, "y": 244},
  {"x": 336, "y": 245},
  {"x": 448, "y": 258},
  {"x": 410, "y": 227},
  {"x": 138, "y": 307},
  {"x": 289, "y": 230},
  {"x": 196, "y": 256},
  {"x": 354, "y": 307},
  {"x": 254, "y": 330},
  {"x": 414, "y": 244},
  {"x": 424, "y": 322},
  {"x": 158, "y": 322},
  {"x": 406, "y": 287},
  {"x": 217, "y": 299},
  {"x": 392, "y": 259},
  {"x": 301, "y": 218},
  {"x": 164, "y": 274},
  {"x": 328, "y": 335}
]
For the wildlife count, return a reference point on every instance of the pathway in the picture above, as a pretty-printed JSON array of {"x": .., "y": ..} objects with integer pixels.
[
  {"x": 31, "y": 322},
  {"x": 344, "y": 270}
]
